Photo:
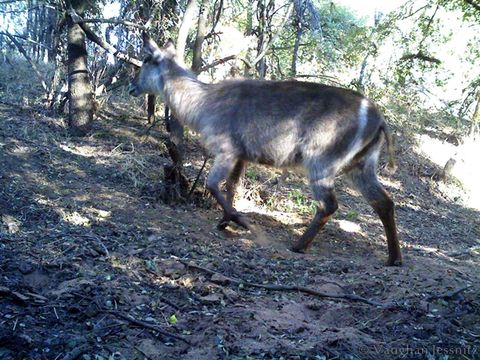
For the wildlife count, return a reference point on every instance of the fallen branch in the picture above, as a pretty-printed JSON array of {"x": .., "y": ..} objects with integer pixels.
[
  {"x": 25, "y": 55},
  {"x": 449, "y": 295},
  {"x": 148, "y": 326},
  {"x": 470, "y": 251},
  {"x": 302, "y": 289}
]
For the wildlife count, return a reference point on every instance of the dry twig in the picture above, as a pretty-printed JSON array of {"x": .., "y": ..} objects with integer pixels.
[
  {"x": 449, "y": 295},
  {"x": 303, "y": 289},
  {"x": 147, "y": 326}
]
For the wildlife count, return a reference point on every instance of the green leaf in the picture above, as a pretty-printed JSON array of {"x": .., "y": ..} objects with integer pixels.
[{"x": 172, "y": 319}]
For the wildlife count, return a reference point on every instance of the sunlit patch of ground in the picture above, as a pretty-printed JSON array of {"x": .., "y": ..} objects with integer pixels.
[
  {"x": 466, "y": 168},
  {"x": 84, "y": 237}
]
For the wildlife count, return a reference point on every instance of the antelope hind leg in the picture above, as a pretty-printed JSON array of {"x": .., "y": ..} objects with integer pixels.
[
  {"x": 326, "y": 205},
  {"x": 366, "y": 181}
]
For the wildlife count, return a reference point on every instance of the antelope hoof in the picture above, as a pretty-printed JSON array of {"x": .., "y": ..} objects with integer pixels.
[
  {"x": 240, "y": 220},
  {"x": 223, "y": 223},
  {"x": 394, "y": 262},
  {"x": 236, "y": 218},
  {"x": 299, "y": 247}
]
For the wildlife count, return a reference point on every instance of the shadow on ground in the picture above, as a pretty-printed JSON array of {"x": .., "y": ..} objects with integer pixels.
[{"x": 92, "y": 264}]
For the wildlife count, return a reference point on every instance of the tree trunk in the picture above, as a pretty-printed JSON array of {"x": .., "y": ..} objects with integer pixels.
[
  {"x": 54, "y": 50},
  {"x": 201, "y": 30},
  {"x": 42, "y": 29},
  {"x": 50, "y": 40},
  {"x": 36, "y": 29},
  {"x": 262, "y": 24},
  {"x": 185, "y": 27},
  {"x": 298, "y": 18},
  {"x": 80, "y": 112}
]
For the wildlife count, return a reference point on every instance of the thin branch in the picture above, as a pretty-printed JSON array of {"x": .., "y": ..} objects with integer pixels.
[
  {"x": 25, "y": 54},
  {"x": 449, "y": 295},
  {"x": 302, "y": 289},
  {"x": 428, "y": 27},
  {"x": 217, "y": 62},
  {"x": 420, "y": 56},
  {"x": 110, "y": 48},
  {"x": 415, "y": 12},
  {"x": 216, "y": 20},
  {"x": 32, "y": 41},
  {"x": 274, "y": 37},
  {"x": 112, "y": 21}
]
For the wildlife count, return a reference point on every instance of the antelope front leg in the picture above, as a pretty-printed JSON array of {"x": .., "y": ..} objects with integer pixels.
[
  {"x": 231, "y": 186},
  {"x": 223, "y": 166}
]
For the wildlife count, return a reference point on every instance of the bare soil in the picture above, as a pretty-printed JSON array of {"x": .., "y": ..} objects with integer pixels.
[{"x": 92, "y": 263}]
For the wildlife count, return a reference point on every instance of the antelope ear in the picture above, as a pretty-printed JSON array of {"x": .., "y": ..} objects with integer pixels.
[
  {"x": 169, "y": 47},
  {"x": 149, "y": 45}
]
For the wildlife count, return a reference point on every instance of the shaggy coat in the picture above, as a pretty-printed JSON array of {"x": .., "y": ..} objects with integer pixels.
[{"x": 324, "y": 129}]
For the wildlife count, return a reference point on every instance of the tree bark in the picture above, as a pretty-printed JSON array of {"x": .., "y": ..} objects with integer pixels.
[
  {"x": 299, "y": 14},
  {"x": 262, "y": 24},
  {"x": 274, "y": 37},
  {"x": 201, "y": 30},
  {"x": 80, "y": 112},
  {"x": 185, "y": 27}
]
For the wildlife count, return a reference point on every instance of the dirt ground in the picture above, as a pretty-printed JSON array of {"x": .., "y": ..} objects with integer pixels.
[{"x": 94, "y": 266}]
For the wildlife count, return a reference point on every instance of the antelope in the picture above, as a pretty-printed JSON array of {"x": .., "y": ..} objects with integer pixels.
[{"x": 324, "y": 129}]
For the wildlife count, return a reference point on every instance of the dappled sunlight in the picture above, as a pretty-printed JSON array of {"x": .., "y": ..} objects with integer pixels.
[
  {"x": 74, "y": 218},
  {"x": 98, "y": 261},
  {"x": 349, "y": 226},
  {"x": 392, "y": 183},
  {"x": 80, "y": 150},
  {"x": 83, "y": 216},
  {"x": 465, "y": 167},
  {"x": 287, "y": 218}
]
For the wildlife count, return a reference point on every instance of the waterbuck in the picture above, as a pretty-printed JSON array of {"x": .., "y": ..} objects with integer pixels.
[{"x": 327, "y": 130}]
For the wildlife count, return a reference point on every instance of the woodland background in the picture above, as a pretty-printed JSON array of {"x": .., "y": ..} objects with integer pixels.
[{"x": 107, "y": 241}]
